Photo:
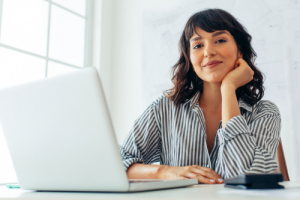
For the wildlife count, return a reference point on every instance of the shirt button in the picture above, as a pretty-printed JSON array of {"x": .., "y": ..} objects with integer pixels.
[{"x": 207, "y": 165}]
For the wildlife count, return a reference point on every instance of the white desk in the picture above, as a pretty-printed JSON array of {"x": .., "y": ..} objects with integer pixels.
[{"x": 206, "y": 192}]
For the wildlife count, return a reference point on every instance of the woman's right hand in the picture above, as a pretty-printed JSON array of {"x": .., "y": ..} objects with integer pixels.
[{"x": 203, "y": 174}]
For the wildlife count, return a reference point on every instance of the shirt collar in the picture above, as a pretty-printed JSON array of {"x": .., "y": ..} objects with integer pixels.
[
  {"x": 244, "y": 105},
  {"x": 195, "y": 99}
]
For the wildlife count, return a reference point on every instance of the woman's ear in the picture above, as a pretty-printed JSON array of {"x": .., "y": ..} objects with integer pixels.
[{"x": 240, "y": 55}]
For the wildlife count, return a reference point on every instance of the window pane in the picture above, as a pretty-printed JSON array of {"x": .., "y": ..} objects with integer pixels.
[
  {"x": 55, "y": 69},
  {"x": 25, "y": 25},
  {"x": 77, "y": 6},
  {"x": 17, "y": 68},
  {"x": 66, "y": 37}
]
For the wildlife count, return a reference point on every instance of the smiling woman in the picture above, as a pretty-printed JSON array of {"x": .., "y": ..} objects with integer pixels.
[
  {"x": 216, "y": 30},
  {"x": 212, "y": 124}
]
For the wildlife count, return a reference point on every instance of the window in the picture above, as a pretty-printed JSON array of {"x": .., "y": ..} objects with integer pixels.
[{"x": 38, "y": 39}]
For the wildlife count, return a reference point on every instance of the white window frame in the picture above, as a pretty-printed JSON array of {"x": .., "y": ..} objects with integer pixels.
[
  {"x": 87, "y": 42},
  {"x": 91, "y": 51}
]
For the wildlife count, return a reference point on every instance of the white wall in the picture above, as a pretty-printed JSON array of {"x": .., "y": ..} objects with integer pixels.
[
  {"x": 124, "y": 66},
  {"x": 103, "y": 17}
]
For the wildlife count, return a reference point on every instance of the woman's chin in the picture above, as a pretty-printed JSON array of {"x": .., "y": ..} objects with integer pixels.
[{"x": 214, "y": 79}]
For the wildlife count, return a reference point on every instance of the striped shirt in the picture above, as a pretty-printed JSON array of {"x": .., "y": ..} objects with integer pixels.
[{"x": 176, "y": 136}]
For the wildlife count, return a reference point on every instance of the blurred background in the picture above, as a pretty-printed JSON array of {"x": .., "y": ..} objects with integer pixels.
[{"x": 133, "y": 45}]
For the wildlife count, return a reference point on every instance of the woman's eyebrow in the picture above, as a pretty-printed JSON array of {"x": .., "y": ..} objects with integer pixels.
[
  {"x": 218, "y": 33},
  {"x": 213, "y": 35}
]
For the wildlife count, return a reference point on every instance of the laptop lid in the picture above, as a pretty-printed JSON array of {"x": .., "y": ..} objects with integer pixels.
[{"x": 60, "y": 135}]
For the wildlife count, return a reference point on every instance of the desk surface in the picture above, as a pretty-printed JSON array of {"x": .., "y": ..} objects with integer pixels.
[{"x": 206, "y": 192}]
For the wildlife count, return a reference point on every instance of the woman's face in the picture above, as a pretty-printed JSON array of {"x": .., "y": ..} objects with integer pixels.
[{"x": 216, "y": 46}]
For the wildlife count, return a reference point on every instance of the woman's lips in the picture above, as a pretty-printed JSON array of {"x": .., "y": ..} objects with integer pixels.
[{"x": 212, "y": 65}]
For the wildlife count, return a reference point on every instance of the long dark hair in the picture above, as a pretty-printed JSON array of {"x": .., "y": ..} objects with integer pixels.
[{"x": 185, "y": 80}]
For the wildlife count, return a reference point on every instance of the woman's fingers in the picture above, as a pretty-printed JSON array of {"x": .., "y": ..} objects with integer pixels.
[
  {"x": 210, "y": 175},
  {"x": 207, "y": 173},
  {"x": 203, "y": 174},
  {"x": 201, "y": 179},
  {"x": 237, "y": 64},
  {"x": 207, "y": 170}
]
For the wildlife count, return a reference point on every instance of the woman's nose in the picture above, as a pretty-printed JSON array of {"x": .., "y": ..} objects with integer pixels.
[{"x": 209, "y": 51}]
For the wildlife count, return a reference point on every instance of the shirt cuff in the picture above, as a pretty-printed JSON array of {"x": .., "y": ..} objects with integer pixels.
[{"x": 235, "y": 126}]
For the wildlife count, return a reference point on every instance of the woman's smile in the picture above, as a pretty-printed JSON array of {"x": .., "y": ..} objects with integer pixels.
[{"x": 212, "y": 65}]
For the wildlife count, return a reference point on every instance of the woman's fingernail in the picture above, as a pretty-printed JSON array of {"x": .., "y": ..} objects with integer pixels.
[
  {"x": 220, "y": 179},
  {"x": 212, "y": 180}
]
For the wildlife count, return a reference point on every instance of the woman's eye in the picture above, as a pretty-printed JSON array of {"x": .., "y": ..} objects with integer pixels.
[
  {"x": 221, "y": 41},
  {"x": 200, "y": 45},
  {"x": 197, "y": 46}
]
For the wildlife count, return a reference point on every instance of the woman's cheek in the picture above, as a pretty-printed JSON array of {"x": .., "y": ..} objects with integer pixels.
[
  {"x": 230, "y": 55},
  {"x": 192, "y": 57},
  {"x": 195, "y": 60},
  {"x": 230, "y": 65}
]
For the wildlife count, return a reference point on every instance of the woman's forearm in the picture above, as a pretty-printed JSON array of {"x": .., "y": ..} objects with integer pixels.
[
  {"x": 143, "y": 171},
  {"x": 230, "y": 106}
]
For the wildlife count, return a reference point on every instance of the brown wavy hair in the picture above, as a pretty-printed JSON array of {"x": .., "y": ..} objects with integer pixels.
[{"x": 185, "y": 80}]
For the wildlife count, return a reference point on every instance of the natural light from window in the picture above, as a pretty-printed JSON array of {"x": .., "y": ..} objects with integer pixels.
[{"x": 38, "y": 39}]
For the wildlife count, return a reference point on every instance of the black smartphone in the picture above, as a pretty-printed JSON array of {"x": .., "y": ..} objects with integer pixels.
[{"x": 255, "y": 181}]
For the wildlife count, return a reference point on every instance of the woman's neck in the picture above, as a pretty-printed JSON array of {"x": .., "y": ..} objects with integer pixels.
[{"x": 211, "y": 98}]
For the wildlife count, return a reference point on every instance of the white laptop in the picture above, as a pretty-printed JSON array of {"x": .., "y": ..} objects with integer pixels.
[{"x": 60, "y": 137}]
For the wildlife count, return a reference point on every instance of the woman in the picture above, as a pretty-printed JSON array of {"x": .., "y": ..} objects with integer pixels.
[{"x": 212, "y": 124}]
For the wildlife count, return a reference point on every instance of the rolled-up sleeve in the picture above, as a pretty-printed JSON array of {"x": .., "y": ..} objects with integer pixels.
[
  {"x": 249, "y": 147},
  {"x": 143, "y": 143}
]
